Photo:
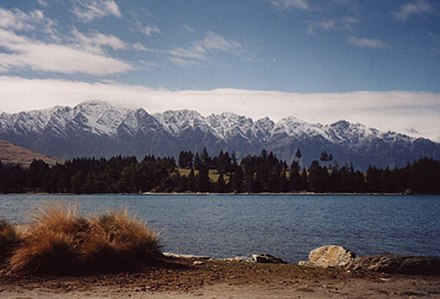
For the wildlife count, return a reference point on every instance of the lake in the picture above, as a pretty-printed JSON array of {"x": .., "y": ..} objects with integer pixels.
[{"x": 288, "y": 226}]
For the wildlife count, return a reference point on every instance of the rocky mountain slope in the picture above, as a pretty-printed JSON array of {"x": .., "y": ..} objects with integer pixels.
[{"x": 102, "y": 130}]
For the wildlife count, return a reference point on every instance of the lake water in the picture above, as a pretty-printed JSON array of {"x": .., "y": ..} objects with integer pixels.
[{"x": 288, "y": 226}]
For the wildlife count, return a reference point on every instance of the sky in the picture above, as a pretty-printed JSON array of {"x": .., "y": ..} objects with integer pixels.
[{"x": 376, "y": 62}]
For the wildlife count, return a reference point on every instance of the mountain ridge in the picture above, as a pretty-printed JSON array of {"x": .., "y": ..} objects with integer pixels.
[{"x": 96, "y": 128}]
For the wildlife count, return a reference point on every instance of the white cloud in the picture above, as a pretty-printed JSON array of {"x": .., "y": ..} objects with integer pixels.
[
  {"x": 201, "y": 49},
  {"x": 288, "y": 4},
  {"x": 149, "y": 30},
  {"x": 89, "y": 10},
  {"x": 213, "y": 41},
  {"x": 414, "y": 8},
  {"x": 25, "y": 53},
  {"x": 53, "y": 52},
  {"x": 393, "y": 110},
  {"x": 333, "y": 24},
  {"x": 95, "y": 41},
  {"x": 186, "y": 56},
  {"x": 370, "y": 43},
  {"x": 188, "y": 28},
  {"x": 43, "y": 3},
  {"x": 141, "y": 47},
  {"x": 17, "y": 20}
]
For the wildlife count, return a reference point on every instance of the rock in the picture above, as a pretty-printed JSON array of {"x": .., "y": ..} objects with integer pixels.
[
  {"x": 267, "y": 258},
  {"x": 408, "y": 192},
  {"x": 186, "y": 256},
  {"x": 397, "y": 264},
  {"x": 239, "y": 259},
  {"x": 198, "y": 263},
  {"x": 331, "y": 256}
]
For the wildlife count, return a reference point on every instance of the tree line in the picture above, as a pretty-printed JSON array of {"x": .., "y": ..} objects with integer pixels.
[{"x": 199, "y": 172}]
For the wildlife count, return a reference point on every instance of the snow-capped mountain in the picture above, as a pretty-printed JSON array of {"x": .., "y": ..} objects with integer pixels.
[
  {"x": 434, "y": 134},
  {"x": 99, "y": 129}
]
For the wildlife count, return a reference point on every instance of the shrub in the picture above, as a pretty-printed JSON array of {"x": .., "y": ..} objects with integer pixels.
[
  {"x": 119, "y": 242},
  {"x": 9, "y": 239},
  {"x": 51, "y": 243},
  {"x": 61, "y": 242}
]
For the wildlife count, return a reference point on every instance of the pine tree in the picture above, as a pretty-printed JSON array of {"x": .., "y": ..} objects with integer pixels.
[
  {"x": 294, "y": 178},
  {"x": 220, "y": 186},
  {"x": 191, "y": 181},
  {"x": 237, "y": 180},
  {"x": 304, "y": 180},
  {"x": 197, "y": 161},
  {"x": 284, "y": 183}
]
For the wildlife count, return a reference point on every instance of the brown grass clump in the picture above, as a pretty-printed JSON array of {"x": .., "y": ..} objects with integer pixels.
[
  {"x": 51, "y": 243},
  {"x": 118, "y": 241},
  {"x": 9, "y": 239},
  {"x": 61, "y": 242}
]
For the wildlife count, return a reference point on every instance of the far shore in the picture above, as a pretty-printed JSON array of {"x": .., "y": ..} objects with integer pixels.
[{"x": 230, "y": 193}]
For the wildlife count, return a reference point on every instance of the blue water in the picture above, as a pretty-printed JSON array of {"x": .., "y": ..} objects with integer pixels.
[{"x": 288, "y": 226}]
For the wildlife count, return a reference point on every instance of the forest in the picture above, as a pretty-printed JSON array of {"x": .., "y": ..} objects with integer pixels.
[{"x": 199, "y": 172}]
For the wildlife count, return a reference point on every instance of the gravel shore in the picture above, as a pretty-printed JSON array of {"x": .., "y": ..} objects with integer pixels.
[{"x": 192, "y": 278}]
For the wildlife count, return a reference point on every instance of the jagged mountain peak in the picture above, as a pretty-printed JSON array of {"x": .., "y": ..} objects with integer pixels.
[
  {"x": 292, "y": 126},
  {"x": 99, "y": 117},
  {"x": 181, "y": 113},
  {"x": 291, "y": 119},
  {"x": 228, "y": 125},
  {"x": 99, "y": 109},
  {"x": 96, "y": 103},
  {"x": 177, "y": 121},
  {"x": 345, "y": 125},
  {"x": 341, "y": 124},
  {"x": 264, "y": 123},
  {"x": 101, "y": 129}
]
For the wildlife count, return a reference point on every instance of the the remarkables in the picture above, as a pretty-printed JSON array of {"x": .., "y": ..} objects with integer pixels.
[{"x": 101, "y": 130}]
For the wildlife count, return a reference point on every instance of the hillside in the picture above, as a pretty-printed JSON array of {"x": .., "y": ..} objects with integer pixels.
[{"x": 14, "y": 154}]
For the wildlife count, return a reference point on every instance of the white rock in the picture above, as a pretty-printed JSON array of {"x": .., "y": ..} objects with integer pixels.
[{"x": 331, "y": 256}]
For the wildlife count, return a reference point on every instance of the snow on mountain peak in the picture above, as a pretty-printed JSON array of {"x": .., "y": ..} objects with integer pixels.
[
  {"x": 100, "y": 117},
  {"x": 292, "y": 126},
  {"x": 344, "y": 131},
  {"x": 180, "y": 120},
  {"x": 227, "y": 125},
  {"x": 26, "y": 122},
  {"x": 263, "y": 129},
  {"x": 119, "y": 130},
  {"x": 343, "y": 124}
]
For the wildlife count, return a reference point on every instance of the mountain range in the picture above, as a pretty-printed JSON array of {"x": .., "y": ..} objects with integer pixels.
[{"x": 98, "y": 129}]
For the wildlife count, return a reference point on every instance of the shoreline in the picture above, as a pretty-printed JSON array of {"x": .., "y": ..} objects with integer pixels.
[
  {"x": 229, "y": 194},
  {"x": 196, "y": 278}
]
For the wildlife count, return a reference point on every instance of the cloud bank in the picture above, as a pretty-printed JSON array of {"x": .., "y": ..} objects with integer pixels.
[{"x": 392, "y": 110}]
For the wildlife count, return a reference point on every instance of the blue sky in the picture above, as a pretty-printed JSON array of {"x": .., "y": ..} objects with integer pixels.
[{"x": 370, "y": 58}]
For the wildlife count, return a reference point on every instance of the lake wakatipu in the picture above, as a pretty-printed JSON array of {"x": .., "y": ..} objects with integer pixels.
[{"x": 288, "y": 226}]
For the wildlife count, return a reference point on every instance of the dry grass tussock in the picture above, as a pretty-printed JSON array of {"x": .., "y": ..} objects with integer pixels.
[
  {"x": 9, "y": 239},
  {"x": 62, "y": 242}
]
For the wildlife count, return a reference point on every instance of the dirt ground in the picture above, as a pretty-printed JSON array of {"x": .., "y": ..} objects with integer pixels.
[{"x": 189, "y": 278}]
